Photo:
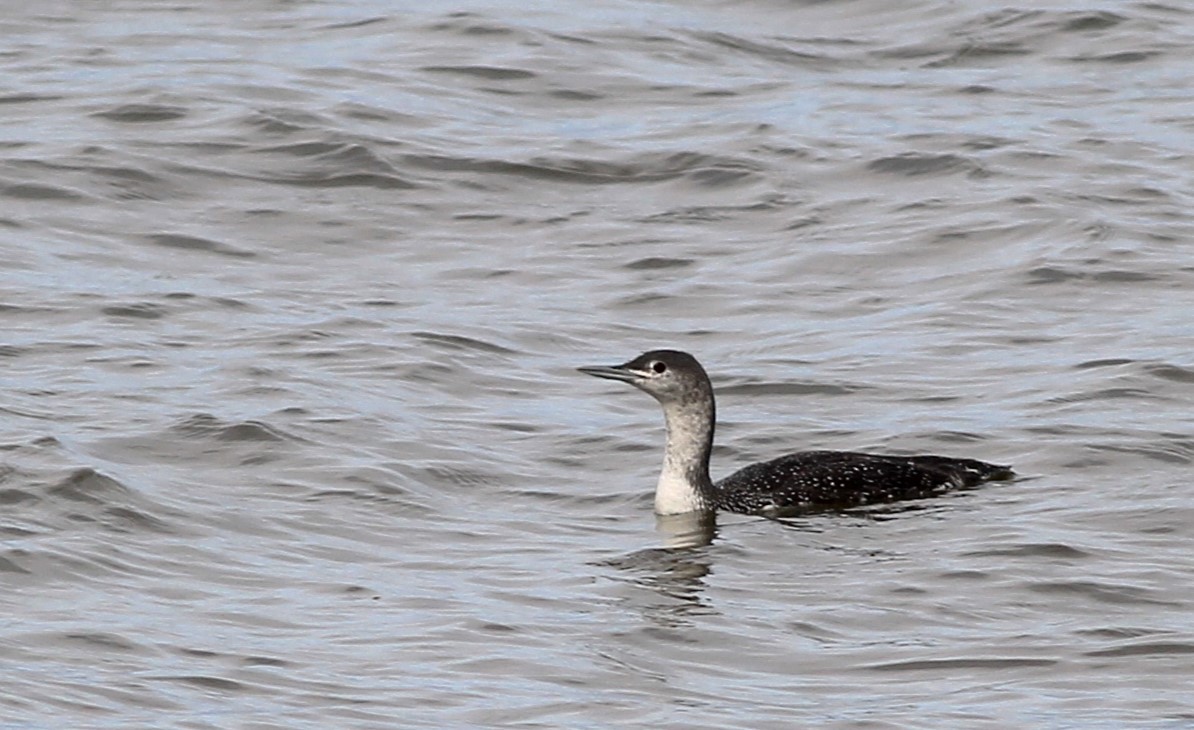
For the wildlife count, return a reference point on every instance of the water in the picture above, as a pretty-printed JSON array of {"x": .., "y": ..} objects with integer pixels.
[{"x": 293, "y": 293}]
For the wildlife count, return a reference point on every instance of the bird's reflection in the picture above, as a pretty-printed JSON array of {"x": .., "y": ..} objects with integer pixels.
[
  {"x": 673, "y": 574},
  {"x": 689, "y": 530}
]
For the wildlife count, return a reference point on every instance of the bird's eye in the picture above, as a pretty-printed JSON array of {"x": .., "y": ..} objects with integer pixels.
[{"x": 659, "y": 367}]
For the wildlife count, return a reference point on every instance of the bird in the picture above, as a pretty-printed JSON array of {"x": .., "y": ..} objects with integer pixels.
[{"x": 791, "y": 484}]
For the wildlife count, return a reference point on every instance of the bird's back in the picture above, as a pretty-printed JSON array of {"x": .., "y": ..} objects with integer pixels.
[{"x": 843, "y": 479}]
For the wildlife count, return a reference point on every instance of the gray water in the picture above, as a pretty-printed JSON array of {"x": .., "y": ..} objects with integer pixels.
[{"x": 293, "y": 293}]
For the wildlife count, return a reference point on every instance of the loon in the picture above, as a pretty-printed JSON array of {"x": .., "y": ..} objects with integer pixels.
[{"x": 799, "y": 482}]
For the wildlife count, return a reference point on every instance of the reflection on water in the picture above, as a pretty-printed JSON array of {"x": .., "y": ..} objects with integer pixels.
[
  {"x": 672, "y": 577},
  {"x": 686, "y": 530}
]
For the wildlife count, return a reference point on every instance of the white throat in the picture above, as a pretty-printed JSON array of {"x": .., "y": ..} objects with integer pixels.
[
  {"x": 684, "y": 484},
  {"x": 675, "y": 494}
]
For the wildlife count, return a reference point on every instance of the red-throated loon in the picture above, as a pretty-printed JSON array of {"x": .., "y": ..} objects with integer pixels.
[{"x": 792, "y": 483}]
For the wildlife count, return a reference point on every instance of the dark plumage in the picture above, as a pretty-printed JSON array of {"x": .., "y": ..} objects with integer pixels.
[{"x": 788, "y": 484}]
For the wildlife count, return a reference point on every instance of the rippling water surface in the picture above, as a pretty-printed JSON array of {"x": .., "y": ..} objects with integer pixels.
[{"x": 292, "y": 295}]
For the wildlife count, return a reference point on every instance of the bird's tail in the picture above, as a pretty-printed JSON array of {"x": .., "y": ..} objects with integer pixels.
[{"x": 971, "y": 471}]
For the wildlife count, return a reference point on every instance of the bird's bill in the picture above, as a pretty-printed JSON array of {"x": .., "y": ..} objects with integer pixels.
[{"x": 611, "y": 372}]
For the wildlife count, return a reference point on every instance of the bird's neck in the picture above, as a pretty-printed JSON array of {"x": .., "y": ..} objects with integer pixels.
[{"x": 684, "y": 484}]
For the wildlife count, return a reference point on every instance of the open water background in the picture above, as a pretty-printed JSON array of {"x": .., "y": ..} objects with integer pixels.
[{"x": 292, "y": 293}]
